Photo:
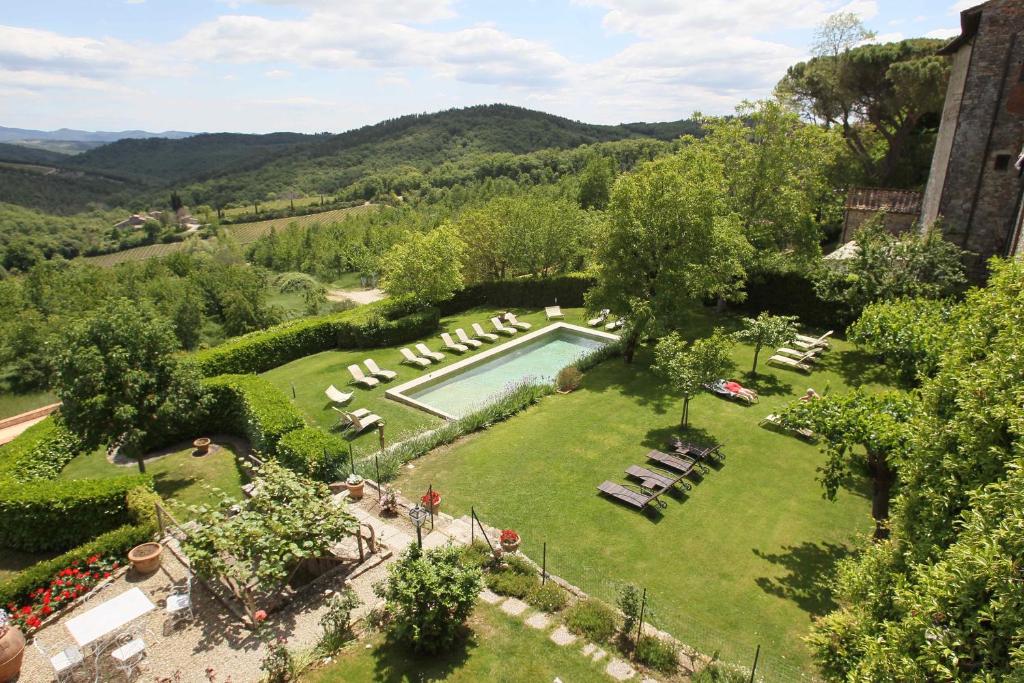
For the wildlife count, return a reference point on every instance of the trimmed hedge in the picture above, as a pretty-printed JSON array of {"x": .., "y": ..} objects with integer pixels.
[
  {"x": 793, "y": 294},
  {"x": 384, "y": 323},
  {"x": 565, "y": 290},
  {"x": 252, "y": 407},
  {"x": 40, "y": 452},
  {"x": 313, "y": 452}
]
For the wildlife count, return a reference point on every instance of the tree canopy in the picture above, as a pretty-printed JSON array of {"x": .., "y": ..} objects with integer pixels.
[
  {"x": 766, "y": 330},
  {"x": 688, "y": 367},
  {"x": 426, "y": 266}
]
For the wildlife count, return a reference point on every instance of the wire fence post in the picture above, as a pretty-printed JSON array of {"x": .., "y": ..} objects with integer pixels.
[
  {"x": 640, "y": 625},
  {"x": 544, "y": 566},
  {"x": 380, "y": 487},
  {"x": 293, "y": 389},
  {"x": 472, "y": 527},
  {"x": 753, "y": 669}
]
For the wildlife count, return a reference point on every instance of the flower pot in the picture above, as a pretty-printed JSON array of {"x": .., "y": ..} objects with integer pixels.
[
  {"x": 355, "y": 491},
  {"x": 12, "y": 650},
  {"x": 202, "y": 446},
  {"x": 435, "y": 507},
  {"x": 510, "y": 546},
  {"x": 145, "y": 558}
]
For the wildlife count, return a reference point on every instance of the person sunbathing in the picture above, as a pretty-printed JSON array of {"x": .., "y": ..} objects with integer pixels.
[
  {"x": 748, "y": 395},
  {"x": 811, "y": 395}
]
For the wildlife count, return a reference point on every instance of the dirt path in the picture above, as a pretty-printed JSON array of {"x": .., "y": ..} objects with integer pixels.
[{"x": 359, "y": 296}]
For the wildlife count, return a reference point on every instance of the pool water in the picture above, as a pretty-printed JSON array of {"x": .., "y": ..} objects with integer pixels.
[{"x": 539, "y": 360}]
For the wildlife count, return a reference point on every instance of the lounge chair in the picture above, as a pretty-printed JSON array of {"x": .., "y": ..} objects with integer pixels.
[
  {"x": 805, "y": 342},
  {"x": 361, "y": 422},
  {"x": 732, "y": 390},
  {"x": 359, "y": 378},
  {"x": 695, "y": 450},
  {"x": 676, "y": 462},
  {"x": 639, "y": 500},
  {"x": 376, "y": 371},
  {"x": 601, "y": 317},
  {"x": 810, "y": 355},
  {"x": 465, "y": 340},
  {"x": 651, "y": 479},
  {"x": 435, "y": 356},
  {"x": 337, "y": 395},
  {"x": 795, "y": 363},
  {"x": 481, "y": 333},
  {"x": 554, "y": 312},
  {"x": 510, "y": 318},
  {"x": 615, "y": 325},
  {"x": 411, "y": 358},
  {"x": 451, "y": 345},
  {"x": 773, "y": 420},
  {"x": 501, "y": 328},
  {"x": 345, "y": 416}
]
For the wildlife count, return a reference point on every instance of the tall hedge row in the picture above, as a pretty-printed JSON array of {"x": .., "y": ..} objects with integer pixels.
[
  {"x": 250, "y": 406},
  {"x": 793, "y": 294},
  {"x": 564, "y": 290}
]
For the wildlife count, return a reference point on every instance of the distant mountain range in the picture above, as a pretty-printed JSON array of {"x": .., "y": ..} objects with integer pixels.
[{"x": 72, "y": 141}]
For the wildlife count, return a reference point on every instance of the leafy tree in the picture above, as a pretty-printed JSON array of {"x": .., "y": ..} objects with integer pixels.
[
  {"x": 430, "y": 595},
  {"x": 427, "y": 266},
  {"x": 688, "y": 367},
  {"x": 256, "y": 547},
  {"x": 596, "y": 182},
  {"x": 910, "y": 334},
  {"x": 119, "y": 379},
  {"x": 766, "y": 330},
  {"x": 874, "y": 422},
  {"x": 671, "y": 240}
]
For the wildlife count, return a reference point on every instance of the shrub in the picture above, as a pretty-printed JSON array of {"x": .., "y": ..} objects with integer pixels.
[
  {"x": 598, "y": 355},
  {"x": 658, "y": 654},
  {"x": 477, "y": 554},
  {"x": 513, "y": 584},
  {"x": 549, "y": 598},
  {"x": 567, "y": 290},
  {"x": 569, "y": 378},
  {"x": 312, "y": 452},
  {"x": 717, "y": 672},
  {"x": 519, "y": 565},
  {"x": 430, "y": 596},
  {"x": 629, "y": 603},
  {"x": 337, "y": 620},
  {"x": 252, "y": 407},
  {"x": 593, "y": 619},
  {"x": 40, "y": 452}
]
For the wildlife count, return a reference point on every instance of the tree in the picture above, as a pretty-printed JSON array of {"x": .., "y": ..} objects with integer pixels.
[
  {"x": 596, "y": 182},
  {"x": 430, "y": 595},
  {"x": 119, "y": 380},
  {"x": 688, "y": 367},
  {"x": 874, "y": 422},
  {"x": 766, "y": 330},
  {"x": 671, "y": 240},
  {"x": 910, "y": 334},
  {"x": 426, "y": 266},
  {"x": 257, "y": 546},
  {"x": 176, "y": 202}
]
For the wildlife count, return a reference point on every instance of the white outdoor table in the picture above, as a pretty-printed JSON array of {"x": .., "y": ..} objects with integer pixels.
[{"x": 108, "y": 617}]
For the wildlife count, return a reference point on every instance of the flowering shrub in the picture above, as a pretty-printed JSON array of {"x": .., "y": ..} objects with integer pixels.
[
  {"x": 431, "y": 498},
  {"x": 509, "y": 536},
  {"x": 65, "y": 587}
]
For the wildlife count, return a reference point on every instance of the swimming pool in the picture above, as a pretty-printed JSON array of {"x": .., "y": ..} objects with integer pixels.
[{"x": 459, "y": 388}]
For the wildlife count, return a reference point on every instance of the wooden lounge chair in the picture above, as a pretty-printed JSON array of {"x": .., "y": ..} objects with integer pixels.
[
  {"x": 481, "y": 333},
  {"x": 775, "y": 421},
  {"x": 510, "y": 318},
  {"x": 800, "y": 363},
  {"x": 435, "y": 356},
  {"x": 345, "y": 416},
  {"x": 501, "y": 328},
  {"x": 695, "y": 450},
  {"x": 810, "y": 355},
  {"x": 376, "y": 371},
  {"x": 411, "y": 358},
  {"x": 465, "y": 340},
  {"x": 554, "y": 312},
  {"x": 337, "y": 395},
  {"x": 638, "y": 499},
  {"x": 359, "y": 378},
  {"x": 361, "y": 422},
  {"x": 451, "y": 345},
  {"x": 676, "y": 461},
  {"x": 651, "y": 479},
  {"x": 601, "y": 317},
  {"x": 804, "y": 342}
]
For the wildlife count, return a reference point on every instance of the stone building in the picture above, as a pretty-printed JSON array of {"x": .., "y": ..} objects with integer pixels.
[
  {"x": 900, "y": 209},
  {"x": 975, "y": 184}
]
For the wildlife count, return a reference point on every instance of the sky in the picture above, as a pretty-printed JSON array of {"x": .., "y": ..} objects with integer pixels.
[{"x": 331, "y": 65}]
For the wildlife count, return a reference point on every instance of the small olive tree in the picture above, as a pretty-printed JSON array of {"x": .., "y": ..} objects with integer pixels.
[
  {"x": 426, "y": 266},
  {"x": 766, "y": 330},
  {"x": 688, "y": 367}
]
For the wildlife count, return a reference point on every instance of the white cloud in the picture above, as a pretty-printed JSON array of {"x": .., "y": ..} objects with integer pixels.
[
  {"x": 891, "y": 37},
  {"x": 277, "y": 74},
  {"x": 964, "y": 4},
  {"x": 943, "y": 33}
]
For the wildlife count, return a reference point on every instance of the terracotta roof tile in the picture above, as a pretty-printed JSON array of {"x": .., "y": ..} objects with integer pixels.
[{"x": 878, "y": 198}]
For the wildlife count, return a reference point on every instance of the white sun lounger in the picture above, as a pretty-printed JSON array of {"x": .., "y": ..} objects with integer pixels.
[
  {"x": 376, "y": 371},
  {"x": 774, "y": 420},
  {"x": 346, "y": 415},
  {"x": 359, "y": 378},
  {"x": 510, "y": 318},
  {"x": 464, "y": 339},
  {"x": 361, "y": 422},
  {"x": 435, "y": 356},
  {"x": 501, "y": 328},
  {"x": 808, "y": 343},
  {"x": 795, "y": 363},
  {"x": 615, "y": 324},
  {"x": 601, "y": 317},
  {"x": 412, "y": 358},
  {"x": 554, "y": 312},
  {"x": 337, "y": 395},
  {"x": 451, "y": 345},
  {"x": 480, "y": 333},
  {"x": 808, "y": 356}
]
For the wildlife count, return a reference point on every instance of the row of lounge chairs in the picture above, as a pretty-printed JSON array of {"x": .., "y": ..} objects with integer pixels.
[
  {"x": 682, "y": 460},
  {"x": 806, "y": 352},
  {"x": 374, "y": 378},
  {"x": 601, "y": 319}
]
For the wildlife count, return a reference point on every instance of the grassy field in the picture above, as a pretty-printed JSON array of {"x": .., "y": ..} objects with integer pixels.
[
  {"x": 243, "y": 233},
  {"x": 500, "y": 649},
  {"x": 179, "y": 476},
  {"x": 309, "y": 377},
  {"x": 730, "y": 564},
  {"x": 15, "y": 404}
]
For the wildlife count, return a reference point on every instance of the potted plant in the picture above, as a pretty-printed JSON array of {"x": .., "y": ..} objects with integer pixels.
[
  {"x": 389, "y": 500},
  {"x": 354, "y": 484},
  {"x": 202, "y": 445},
  {"x": 509, "y": 540},
  {"x": 431, "y": 500},
  {"x": 145, "y": 558},
  {"x": 12, "y": 648},
  {"x": 569, "y": 379}
]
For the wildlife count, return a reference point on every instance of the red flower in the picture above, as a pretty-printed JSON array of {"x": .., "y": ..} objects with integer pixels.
[
  {"x": 509, "y": 536},
  {"x": 259, "y": 616},
  {"x": 47, "y": 609},
  {"x": 431, "y": 498},
  {"x": 33, "y": 622},
  {"x": 106, "y": 575},
  {"x": 94, "y": 559},
  {"x": 26, "y": 610}
]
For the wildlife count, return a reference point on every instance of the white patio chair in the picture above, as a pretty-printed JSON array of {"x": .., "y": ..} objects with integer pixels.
[
  {"x": 509, "y": 331},
  {"x": 553, "y": 312},
  {"x": 128, "y": 654},
  {"x": 65, "y": 663},
  {"x": 411, "y": 358},
  {"x": 435, "y": 356},
  {"x": 601, "y": 317},
  {"x": 450, "y": 345},
  {"x": 179, "y": 604},
  {"x": 359, "y": 378},
  {"x": 337, "y": 395}
]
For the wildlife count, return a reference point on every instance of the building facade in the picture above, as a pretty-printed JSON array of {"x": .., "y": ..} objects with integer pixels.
[
  {"x": 975, "y": 186},
  {"x": 899, "y": 209}
]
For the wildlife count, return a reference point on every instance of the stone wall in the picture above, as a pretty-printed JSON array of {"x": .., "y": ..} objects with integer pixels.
[{"x": 895, "y": 223}]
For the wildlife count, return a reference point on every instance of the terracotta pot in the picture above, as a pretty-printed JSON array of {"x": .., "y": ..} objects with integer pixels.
[
  {"x": 12, "y": 649},
  {"x": 202, "y": 446},
  {"x": 510, "y": 546},
  {"x": 145, "y": 558},
  {"x": 355, "y": 491},
  {"x": 434, "y": 508}
]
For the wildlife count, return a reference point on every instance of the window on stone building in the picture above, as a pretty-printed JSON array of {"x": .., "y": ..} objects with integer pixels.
[{"x": 1002, "y": 162}]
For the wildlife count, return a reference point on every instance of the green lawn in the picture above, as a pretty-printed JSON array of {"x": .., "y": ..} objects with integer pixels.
[
  {"x": 500, "y": 649},
  {"x": 179, "y": 477},
  {"x": 14, "y": 404},
  {"x": 731, "y": 564},
  {"x": 309, "y": 377}
]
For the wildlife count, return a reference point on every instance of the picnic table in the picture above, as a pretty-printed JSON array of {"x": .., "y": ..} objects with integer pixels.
[{"x": 109, "y": 617}]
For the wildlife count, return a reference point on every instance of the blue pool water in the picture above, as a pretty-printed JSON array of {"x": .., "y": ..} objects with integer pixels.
[{"x": 540, "y": 359}]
